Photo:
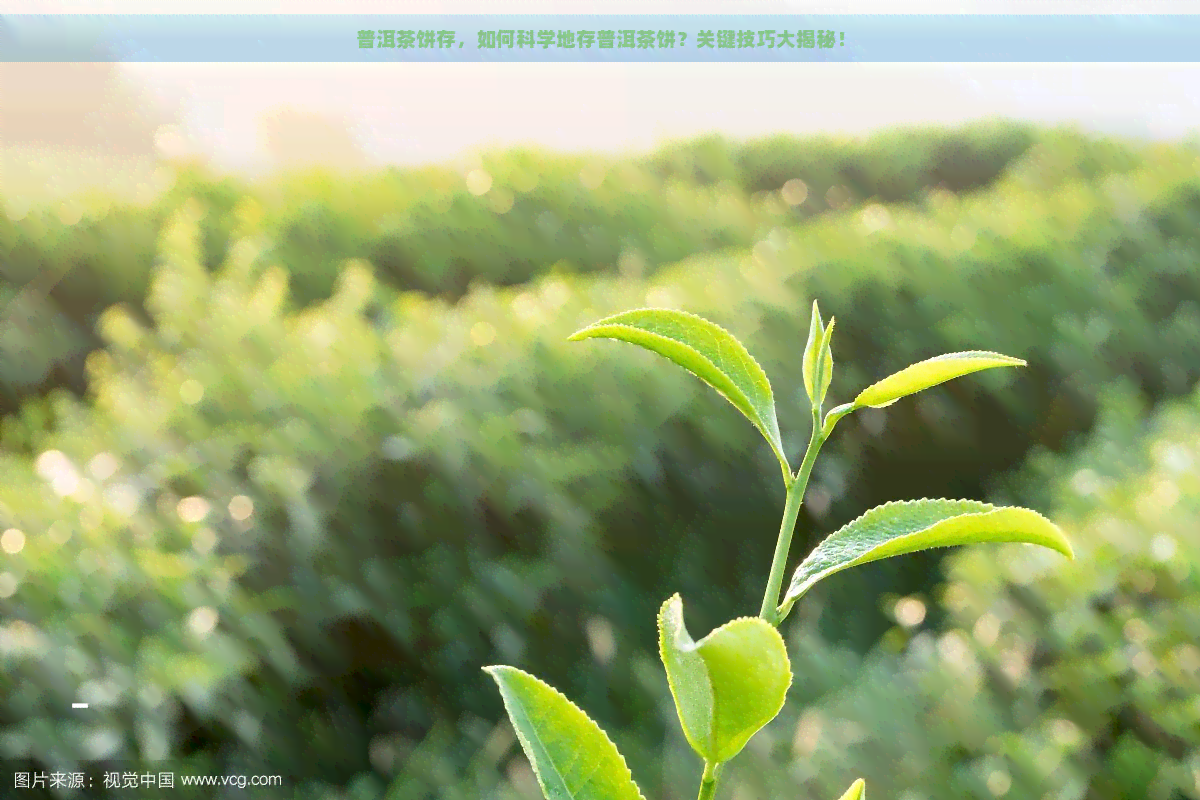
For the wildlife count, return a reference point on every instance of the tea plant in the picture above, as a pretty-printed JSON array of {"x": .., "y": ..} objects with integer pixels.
[{"x": 731, "y": 683}]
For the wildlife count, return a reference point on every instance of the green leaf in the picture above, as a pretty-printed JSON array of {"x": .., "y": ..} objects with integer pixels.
[
  {"x": 571, "y": 756},
  {"x": 857, "y": 791},
  {"x": 812, "y": 351},
  {"x": 706, "y": 350},
  {"x": 726, "y": 686},
  {"x": 825, "y": 363},
  {"x": 930, "y": 372},
  {"x": 894, "y": 529}
]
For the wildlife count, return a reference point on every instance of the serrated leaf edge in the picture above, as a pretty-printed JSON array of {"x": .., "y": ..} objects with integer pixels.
[
  {"x": 892, "y": 503},
  {"x": 695, "y": 645},
  {"x": 772, "y": 435},
  {"x": 1013, "y": 362},
  {"x": 601, "y": 323},
  {"x": 778, "y": 637},
  {"x": 690, "y": 647},
  {"x": 490, "y": 670}
]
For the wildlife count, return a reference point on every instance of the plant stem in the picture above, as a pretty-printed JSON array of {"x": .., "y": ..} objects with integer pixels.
[
  {"x": 795, "y": 497},
  {"x": 796, "y": 487},
  {"x": 708, "y": 781}
]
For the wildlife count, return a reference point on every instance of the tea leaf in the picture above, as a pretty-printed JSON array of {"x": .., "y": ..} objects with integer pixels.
[
  {"x": 825, "y": 363},
  {"x": 906, "y": 527},
  {"x": 706, "y": 350},
  {"x": 726, "y": 686},
  {"x": 812, "y": 352},
  {"x": 931, "y": 372},
  {"x": 857, "y": 791},
  {"x": 572, "y": 757}
]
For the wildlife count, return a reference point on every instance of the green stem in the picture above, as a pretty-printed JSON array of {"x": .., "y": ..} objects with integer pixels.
[
  {"x": 708, "y": 781},
  {"x": 795, "y": 497},
  {"x": 796, "y": 487}
]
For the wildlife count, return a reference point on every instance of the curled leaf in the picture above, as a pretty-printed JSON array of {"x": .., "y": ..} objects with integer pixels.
[
  {"x": 726, "y": 686},
  {"x": 825, "y": 363},
  {"x": 571, "y": 756},
  {"x": 812, "y": 352},
  {"x": 705, "y": 349},
  {"x": 909, "y": 526},
  {"x": 931, "y": 372}
]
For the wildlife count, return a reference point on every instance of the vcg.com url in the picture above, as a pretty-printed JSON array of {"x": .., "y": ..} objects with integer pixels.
[{"x": 240, "y": 781}]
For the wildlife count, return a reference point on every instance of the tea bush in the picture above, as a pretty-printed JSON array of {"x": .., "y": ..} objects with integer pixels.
[
  {"x": 290, "y": 536},
  {"x": 424, "y": 229},
  {"x": 1044, "y": 680}
]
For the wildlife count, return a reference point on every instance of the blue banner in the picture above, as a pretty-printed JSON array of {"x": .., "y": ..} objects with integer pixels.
[{"x": 615, "y": 38}]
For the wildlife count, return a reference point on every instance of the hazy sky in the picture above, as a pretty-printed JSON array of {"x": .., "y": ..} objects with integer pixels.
[{"x": 421, "y": 112}]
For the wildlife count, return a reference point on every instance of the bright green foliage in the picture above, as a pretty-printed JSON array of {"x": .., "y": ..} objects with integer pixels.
[
  {"x": 857, "y": 791},
  {"x": 928, "y": 373},
  {"x": 427, "y": 229},
  {"x": 892, "y": 165},
  {"x": 726, "y": 686},
  {"x": 1113, "y": 638},
  {"x": 572, "y": 757},
  {"x": 898, "y": 528},
  {"x": 441, "y": 485},
  {"x": 818, "y": 358},
  {"x": 706, "y": 350},
  {"x": 812, "y": 354},
  {"x": 823, "y": 374},
  {"x": 825, "y": 362},
  {"x": 1045, "y": 677},
  {"x": 422, "y": 229}
]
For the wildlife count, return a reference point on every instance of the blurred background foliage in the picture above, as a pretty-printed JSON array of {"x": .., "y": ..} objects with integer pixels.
[{"x": 286, "y": 463}]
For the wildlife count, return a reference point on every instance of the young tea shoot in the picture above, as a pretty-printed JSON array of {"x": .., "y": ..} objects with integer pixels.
[{"x": 728, "y": 685}]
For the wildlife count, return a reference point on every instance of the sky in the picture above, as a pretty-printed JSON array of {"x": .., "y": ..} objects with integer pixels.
[
  {"x": 418, "y": 113},
  {"x": 409, "y": 113}
]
